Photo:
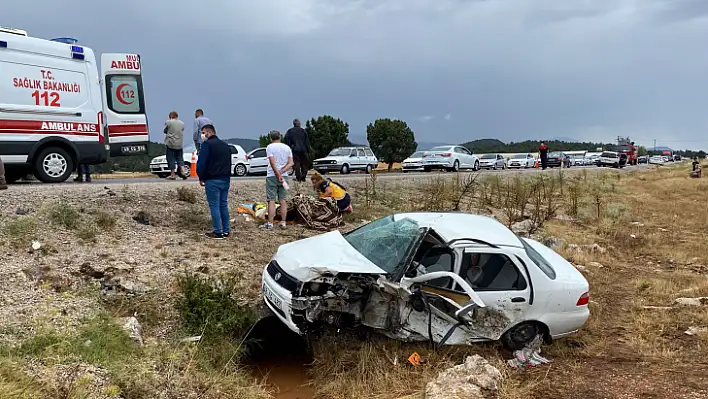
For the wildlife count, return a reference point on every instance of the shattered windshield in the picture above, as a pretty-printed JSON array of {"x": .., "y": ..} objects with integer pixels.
[{"x": 386, "y": 241}]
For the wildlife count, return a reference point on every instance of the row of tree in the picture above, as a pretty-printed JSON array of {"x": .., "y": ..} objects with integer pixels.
[{"x": 390, "y": 139}]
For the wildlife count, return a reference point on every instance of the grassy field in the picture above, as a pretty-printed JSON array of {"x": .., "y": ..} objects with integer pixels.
[{"x": 639, "y": 237}]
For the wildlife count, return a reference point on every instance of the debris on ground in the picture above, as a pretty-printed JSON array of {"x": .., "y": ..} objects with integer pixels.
[
  {"x": 699, "y": 301},
  {"x": 196, "y": 338},
  {"x": 134, "y": 329},
  {"x": 36, "y": 245},
  {"x": 693, "y": 330},
  {"x": 415, "y": 359},
  {"x": 142, "y": 218},
  {"x": 530, "y": 355},
  {"x": 473, "y": 379}
]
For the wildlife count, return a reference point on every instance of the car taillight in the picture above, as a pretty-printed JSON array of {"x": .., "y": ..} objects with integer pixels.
[
  {"x": 246, "y": 157},
  {"x": 446, "y": 155},
  {"x": 584, "y": 299},
  {"x": 426, "y": 155}
]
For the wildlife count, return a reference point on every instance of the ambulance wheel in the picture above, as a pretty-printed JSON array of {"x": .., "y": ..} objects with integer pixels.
[{"x": 53, "y": 165}]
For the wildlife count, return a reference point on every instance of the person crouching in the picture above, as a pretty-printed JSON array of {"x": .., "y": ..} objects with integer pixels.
[{"x": 329, "y": 189}]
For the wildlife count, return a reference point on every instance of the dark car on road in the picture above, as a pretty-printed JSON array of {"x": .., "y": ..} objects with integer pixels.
[{"x": 556, "y": 159}]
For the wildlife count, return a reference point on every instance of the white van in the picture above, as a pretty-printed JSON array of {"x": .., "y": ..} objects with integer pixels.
[{"x": 57, "y": 111}]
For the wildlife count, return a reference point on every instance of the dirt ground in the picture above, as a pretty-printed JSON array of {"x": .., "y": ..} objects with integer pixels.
[{"x": 638, "y": 237}]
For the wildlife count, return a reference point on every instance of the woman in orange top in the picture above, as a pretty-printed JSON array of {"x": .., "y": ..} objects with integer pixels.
[{"x": 328, "y": 188}]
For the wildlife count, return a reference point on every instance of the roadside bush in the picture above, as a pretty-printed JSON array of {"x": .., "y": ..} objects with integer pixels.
[
  {"x": 187, "y": 195},
  {"x": 20, "y": 230},
  {"x": 65, "y": 215},
  {"x": 207, "y": 307},
  {"x": 192, "y": 218},
  {"x": 104, "y": 220}
]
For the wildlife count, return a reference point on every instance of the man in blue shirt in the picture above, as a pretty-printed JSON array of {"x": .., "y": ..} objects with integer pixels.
[
  {"x": 214, "y": 171},
  {"x": 199, "y": 122}
]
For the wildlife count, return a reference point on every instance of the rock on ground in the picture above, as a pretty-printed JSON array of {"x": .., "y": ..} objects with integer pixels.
[
  {"x": 472, "y": 379},
  {"x": 700, "y": 301},
  {"x": 134, "y": 329}
]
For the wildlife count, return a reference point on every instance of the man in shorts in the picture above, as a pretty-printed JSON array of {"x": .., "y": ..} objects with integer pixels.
[{"x": 280, "y": 161}]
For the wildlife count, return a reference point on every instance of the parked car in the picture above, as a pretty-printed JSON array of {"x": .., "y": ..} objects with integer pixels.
[
  {"x": 450, "y": 157},
  {"x": 347, "y": 159},
  {"x": 657, "y": 160},
  {"x": 258, "y": 161},
  {"x": 492, "y": 161},
  {"x": 578, "y": 160},
  {"x": 556, "y": 159},
  {"x": 479, "y": 280},
  {"x": 614, "y": 159},
  {"x": 413, "y": 162},
  {"x": 643, "y": 159},
  {"x": 239, "y": 162},
  {"x": 521, "y": 161}
]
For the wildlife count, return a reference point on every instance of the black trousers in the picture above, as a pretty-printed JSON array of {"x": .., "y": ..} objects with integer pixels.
[
  {"x": 544, "y": 162},
  {"x": 301, "y": 166}
]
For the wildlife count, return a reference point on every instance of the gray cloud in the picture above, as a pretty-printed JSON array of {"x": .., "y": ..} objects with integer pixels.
[{"x": 510, "y": 69}]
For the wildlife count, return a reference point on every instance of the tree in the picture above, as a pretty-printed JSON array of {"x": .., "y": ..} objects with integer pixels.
[
  {"x": 326, "y": 133},
  {"x": 264, "y": 140},
  {"x": 391, "y": 140},
  {"x": 642, "y": 151}
]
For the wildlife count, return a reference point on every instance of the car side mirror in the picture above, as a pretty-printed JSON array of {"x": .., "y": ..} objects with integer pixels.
[{"x": 465, "y": 310}]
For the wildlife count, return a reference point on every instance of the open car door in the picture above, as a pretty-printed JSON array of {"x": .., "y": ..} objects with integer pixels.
[{"x": 125, "y": 118}]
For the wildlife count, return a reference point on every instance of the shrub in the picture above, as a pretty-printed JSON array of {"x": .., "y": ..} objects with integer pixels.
[
  {"x": 187, "y": 195},
  {"x": 208, "y": 307},
  {"x": 21, "y": 228},
  {"x": 104, "y": 220},
  {"x": 64, "y": 215}
]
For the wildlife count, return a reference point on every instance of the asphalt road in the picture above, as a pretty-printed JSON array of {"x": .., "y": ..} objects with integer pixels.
[{"x": 353, "y": 176}]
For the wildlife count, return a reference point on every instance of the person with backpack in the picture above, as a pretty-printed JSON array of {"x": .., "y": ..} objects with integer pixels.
[{"x": 329, "y": 188}]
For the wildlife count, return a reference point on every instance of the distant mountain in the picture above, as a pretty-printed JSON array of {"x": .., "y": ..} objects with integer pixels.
[
  {"x": 246, "y": 144},
  {"x": 564, "y": 139}
]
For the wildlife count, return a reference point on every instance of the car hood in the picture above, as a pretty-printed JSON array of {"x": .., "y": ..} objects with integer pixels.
[
  {"x": 412, "y": 160},
  {"x": 565, "y": 271},
  {"x": 330, "y": 159},
  {"x": 330, "y": 253}
]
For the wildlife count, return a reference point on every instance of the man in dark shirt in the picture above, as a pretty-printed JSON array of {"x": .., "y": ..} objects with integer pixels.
[
  {"x": 543, "y": 150},
  {"x": 214, "y": 171},
  {"x": 296, "y": 138}
]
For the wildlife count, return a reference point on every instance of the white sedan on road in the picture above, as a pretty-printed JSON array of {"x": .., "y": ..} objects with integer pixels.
[
  {"x": 521, "y": 161},
  {"x": 239, "y": 162},
  {"x": 413, "y": 162},
  {"x": 449, "y": 157},
  {"x": 448, "y": 278},
  {"x": 258, "y": 161}
]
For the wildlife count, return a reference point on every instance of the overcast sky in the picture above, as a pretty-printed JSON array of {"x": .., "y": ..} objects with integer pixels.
[{"x": 455, "y": 70}]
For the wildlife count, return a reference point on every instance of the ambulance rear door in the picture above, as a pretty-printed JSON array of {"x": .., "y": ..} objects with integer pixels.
[{"x": 125, "y": 117}]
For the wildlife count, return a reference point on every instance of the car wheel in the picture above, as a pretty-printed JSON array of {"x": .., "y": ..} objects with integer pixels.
[
  {"x": 369, "y": 169},
  {"x": 240, "y": 170},
  {"x": 520, "y": 335},
  {"x": 187, "y": 169},
  {"x": 345, "y": 169},
  {"x": 476, "y": 166},
  {"x": 494, "y": 167},
  {"x": 455, "y": 166},
  {"x": 427, "y": 169},
  {"x": 53, "y": 165}
]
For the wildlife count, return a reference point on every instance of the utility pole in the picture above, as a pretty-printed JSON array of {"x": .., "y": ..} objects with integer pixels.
[{"x": 654, "y": 146}]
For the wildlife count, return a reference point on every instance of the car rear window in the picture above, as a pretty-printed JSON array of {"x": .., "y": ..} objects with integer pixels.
[{"x": 539, "y": 260}]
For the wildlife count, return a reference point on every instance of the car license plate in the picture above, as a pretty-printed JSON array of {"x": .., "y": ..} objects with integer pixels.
[
  {"x": 270, "y": 295},
  {"x": 133, "y": 149}
]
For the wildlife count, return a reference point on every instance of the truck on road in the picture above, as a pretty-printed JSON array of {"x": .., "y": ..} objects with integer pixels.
[{"x": 60, "y": 109}]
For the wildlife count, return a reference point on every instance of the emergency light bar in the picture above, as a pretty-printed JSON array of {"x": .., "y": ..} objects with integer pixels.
[{"x": 67, "y": 40}]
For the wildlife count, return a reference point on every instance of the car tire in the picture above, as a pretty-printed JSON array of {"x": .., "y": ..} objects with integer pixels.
[
  {"x": 520, "y": 335},
  {"x": 345, "y": 169},
  {"x": 240, "y": 170},
  {"x": 53, "y": 165},
  {"x": 455, "y": 166},
  {"x": 476, "y": 166},
  {"x": 369, "y": 169},
  {"x": 187, "y": 169}
]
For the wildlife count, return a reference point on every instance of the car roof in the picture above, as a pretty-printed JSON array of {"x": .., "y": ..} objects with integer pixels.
[{"x": 457, "y": 225}]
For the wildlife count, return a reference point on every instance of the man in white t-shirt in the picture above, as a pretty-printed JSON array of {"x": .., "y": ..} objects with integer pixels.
[{"x": 280, "y": 161}]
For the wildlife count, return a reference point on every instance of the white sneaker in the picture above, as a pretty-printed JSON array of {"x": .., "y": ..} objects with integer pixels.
[
  {"x": 267, "y": 226},
  {"x": 283, "y": 225}
]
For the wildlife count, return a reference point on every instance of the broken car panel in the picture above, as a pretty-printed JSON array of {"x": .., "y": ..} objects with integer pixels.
[{"x": 451, "y": 278}]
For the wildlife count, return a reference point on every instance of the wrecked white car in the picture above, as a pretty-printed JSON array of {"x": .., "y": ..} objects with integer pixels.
[{"x": 450, "y": 278}]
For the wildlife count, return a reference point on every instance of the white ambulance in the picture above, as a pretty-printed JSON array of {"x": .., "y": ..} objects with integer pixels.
[{"x": 57, "y": 111}]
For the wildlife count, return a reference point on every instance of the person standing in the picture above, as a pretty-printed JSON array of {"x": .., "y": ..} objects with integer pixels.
[
  {"x": 296, "y": 138},
  {"x": 174, "y": 136},
  {"x": 3, "y": 182},
  {"x": 280, "y": 161},
  {"x": 214, "y": 171},
  {"x": 199, "y": 122},
  {"x": 83, "y": 169},
  {"x": 543, "y": 150}
]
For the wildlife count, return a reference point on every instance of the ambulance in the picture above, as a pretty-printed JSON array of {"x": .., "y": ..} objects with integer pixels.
[{"x": 59, "y": 109}]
